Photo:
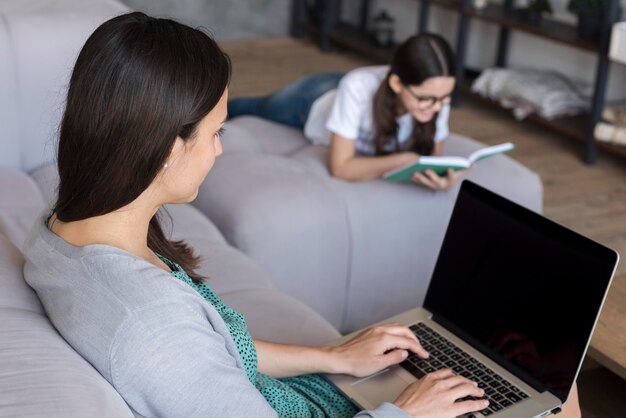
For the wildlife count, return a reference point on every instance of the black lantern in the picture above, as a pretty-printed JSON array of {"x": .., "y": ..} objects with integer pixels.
[{"x": 383, "y": 29}]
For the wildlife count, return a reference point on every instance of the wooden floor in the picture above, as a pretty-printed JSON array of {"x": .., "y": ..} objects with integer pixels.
[{"x": 588, "y": 199}]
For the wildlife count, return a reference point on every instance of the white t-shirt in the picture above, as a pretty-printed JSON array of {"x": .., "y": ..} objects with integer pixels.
[{"x": 347, "y": 111}]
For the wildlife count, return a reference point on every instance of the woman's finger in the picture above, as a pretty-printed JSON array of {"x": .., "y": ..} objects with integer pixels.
[
  {"x": 465, "y": 407},
  {"x": 405, "y": 332},
  {"x": 393, "y": 357},
  {"x": 466, "y": 388},
  {"x": 397, "y": 329},
  {"x": 441, "y": 374},
  {"x": 455, "y": 380},
  {"x": 394, "y": 342}
]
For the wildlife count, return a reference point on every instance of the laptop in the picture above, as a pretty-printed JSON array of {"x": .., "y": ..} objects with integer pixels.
[{"x": 512, "y": 304}]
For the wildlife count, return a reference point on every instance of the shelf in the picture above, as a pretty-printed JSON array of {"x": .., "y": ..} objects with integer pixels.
[
  {"x": 571, "y": 126},
  {"x": 355, "y": 39},
  {"x": 446, "y": 4},
  {"x": 545, "y": 28}
]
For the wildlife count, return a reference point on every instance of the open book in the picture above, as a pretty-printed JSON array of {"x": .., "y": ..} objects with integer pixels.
[{"x": 441, "y": 164}]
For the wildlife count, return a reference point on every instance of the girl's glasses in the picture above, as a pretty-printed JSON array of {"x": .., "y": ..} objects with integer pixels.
[{"x": 426, "y": 102}]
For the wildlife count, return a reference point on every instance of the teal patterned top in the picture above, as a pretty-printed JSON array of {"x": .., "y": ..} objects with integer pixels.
[{"x": 302, "y": 396}]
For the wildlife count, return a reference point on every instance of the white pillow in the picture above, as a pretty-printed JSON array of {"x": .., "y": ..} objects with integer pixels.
[{"x": 545, "y": 92}]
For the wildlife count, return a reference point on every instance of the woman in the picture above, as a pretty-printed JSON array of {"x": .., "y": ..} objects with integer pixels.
[
  {"x": 145, "y": 109},
  {"x": 378, "y": 118}
]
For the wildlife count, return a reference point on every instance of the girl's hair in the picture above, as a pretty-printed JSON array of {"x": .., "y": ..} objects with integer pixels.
[
  {"x": 417, "y": 59},
  {"x": 138, "y": 83}
]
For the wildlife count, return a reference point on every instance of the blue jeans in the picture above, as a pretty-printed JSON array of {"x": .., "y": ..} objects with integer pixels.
[{"x": 289, "y": 105}]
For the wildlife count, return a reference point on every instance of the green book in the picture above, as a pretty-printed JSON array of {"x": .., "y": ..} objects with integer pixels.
[{"x": 441, "y": 164}]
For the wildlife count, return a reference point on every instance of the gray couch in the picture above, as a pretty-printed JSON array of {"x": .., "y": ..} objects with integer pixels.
[
  {"x": 40, "y": 373},
  {"x": 355, "y": 252}
]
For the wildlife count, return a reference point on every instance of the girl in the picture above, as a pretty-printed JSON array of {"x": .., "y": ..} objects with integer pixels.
[
  {"x": 378, "y": 118},
  {"x": 145, "y": 108}
]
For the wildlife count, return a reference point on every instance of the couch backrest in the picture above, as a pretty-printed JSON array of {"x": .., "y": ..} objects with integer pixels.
[
  {"x": 41, "y": 374},
  {"x": 39, "y": 43}
]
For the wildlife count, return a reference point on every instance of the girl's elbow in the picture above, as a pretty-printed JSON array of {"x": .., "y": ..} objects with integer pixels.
[{"x": 339, "y": 171}]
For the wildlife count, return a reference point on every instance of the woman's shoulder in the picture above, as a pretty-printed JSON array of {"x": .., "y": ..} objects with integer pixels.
[
  {"x": 133, "y": 282},
  {"x": 106, "y": 276}
]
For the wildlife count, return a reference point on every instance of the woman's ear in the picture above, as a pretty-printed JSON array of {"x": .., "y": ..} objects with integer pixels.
[
  {"x": 177, "y": 150},
  {"x": 395, "y": 84}
]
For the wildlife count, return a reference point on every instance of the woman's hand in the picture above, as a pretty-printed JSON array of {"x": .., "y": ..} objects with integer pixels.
[
  {"x": 431, "y": 180},
  {"x": 435, "y": 396},
  {"x": 375, "y": 349}
]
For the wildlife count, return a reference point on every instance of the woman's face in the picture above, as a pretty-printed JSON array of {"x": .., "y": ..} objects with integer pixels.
[
  {"x": 423, "y": 101},
  {"x": 190, "y": 161}
]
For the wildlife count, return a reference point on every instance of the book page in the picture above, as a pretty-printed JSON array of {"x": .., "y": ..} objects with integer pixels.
[
  {"x": 444, "y": 161},
  {"x": 487, "y": 152}
]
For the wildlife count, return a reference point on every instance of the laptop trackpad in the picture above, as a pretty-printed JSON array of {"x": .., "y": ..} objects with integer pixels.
[{"x": 383, "y": 387}]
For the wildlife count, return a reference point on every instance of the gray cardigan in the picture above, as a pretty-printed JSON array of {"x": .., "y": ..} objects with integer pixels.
[{"x": 155, "y": 339}]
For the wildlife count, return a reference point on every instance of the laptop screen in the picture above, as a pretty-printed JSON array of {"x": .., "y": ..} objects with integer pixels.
[{"x": 519, "y": 287}]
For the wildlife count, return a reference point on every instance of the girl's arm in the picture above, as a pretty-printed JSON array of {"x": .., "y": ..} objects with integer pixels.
[
  {"x": 363, "y": 355},
  {"x": 344, "y": 163}
]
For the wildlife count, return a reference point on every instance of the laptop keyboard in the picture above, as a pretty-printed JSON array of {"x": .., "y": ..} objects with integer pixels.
[{"x": 445, "y": 354}]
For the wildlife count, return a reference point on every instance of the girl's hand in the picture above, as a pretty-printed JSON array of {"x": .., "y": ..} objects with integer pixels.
[
  {"x": 431, "y": 180},
  {"x": 435, "y": 396},
  {"x": 375, "y": 349}
]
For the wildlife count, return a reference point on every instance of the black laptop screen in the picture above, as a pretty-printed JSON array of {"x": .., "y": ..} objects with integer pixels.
[{"x": 525, "y": 289}]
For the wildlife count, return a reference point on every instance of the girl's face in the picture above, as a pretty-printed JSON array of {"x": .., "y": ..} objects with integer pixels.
[
  {"x": 190, "y": 161},
  {"x": 423, "y": 101}
]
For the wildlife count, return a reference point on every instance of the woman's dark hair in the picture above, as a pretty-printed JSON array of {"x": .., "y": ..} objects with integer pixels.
[
  {"x": 417, "y": 59},
  {"x": 138, "y": 83}
]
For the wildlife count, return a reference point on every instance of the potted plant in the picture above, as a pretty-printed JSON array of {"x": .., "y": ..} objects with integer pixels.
[
  {"x": 590, "y": 15},
  {"x": 533, "y": 11}
]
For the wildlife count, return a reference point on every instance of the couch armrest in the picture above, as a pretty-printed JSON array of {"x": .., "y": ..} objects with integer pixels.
[
  {"x": 356, "y": 252},
  {"x": 256, "y": 135}
]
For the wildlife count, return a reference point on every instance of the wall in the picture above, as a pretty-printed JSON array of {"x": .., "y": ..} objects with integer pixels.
[{"x": 226, "y": 19}]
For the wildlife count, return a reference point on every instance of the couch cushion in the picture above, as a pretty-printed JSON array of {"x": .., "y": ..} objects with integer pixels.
[
  {"x": 288, "y": 219},
  {"x": 14, "y": 292},
  {"x": 47, "y": 179},
  {"x": 253, "y": 134},
  {"x": 185, "y": 222},
  {"x": 9, "y": 146},
  {"x": 227, "y": 269},
  {"x": 43, "y": 60},
  {"x": 20, "y": 205},
  {"x": 40, "y": 374},
  {"x": 276, "y": 317}
]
